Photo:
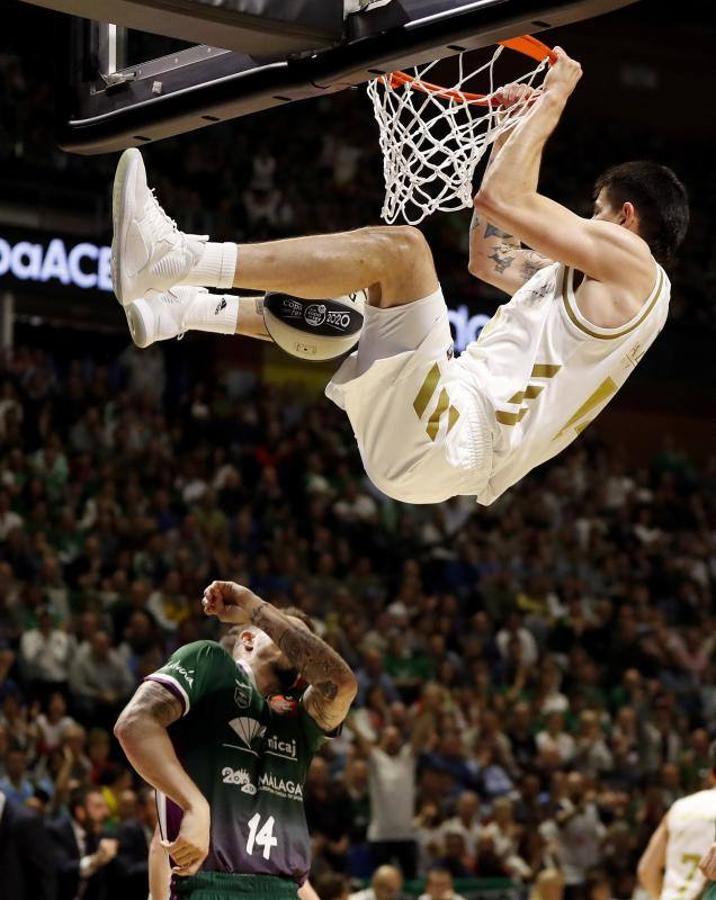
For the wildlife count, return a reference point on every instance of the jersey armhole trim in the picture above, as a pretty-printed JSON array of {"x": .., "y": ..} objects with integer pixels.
[
  {"x": 606, "y": 334},
  {"x": 173, "y": 686}
]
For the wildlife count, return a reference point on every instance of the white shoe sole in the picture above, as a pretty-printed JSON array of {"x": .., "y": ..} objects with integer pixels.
[
  {"x": 138, "y": 315},
  {"x": 124, "y": 181}
]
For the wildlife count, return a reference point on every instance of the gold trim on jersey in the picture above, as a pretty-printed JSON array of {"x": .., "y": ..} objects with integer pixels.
[
  {"x": 568, "y": 298},
  {"x": 605, "y": 390},
  {"x": 422, "y": 401}
]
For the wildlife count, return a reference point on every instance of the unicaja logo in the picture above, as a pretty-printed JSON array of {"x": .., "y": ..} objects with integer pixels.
[{"x": 315, "y": 315}]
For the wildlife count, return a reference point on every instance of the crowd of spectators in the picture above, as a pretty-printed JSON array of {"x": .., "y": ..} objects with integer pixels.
[{"x": 536, "y": 678}]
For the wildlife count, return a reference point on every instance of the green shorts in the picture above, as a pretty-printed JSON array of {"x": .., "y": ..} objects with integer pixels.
[
  {"x": 223, "y": 886},
  {"x": 709, "y": 891}
]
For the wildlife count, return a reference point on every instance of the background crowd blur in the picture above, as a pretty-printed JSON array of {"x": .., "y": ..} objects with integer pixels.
[{"x": 536, "y": 678}]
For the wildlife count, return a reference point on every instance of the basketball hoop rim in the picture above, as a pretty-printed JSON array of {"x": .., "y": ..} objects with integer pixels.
[{"x": 525, "y": 44}]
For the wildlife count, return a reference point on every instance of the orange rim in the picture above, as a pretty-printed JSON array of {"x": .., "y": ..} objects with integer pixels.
[{"x": 526, "y": 44}]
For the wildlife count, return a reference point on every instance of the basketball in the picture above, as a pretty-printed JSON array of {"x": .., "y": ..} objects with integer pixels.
[{"x": 316, "y": 330}]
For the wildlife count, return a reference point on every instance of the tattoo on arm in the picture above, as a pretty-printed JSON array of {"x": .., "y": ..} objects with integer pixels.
[
  {"x": 475, "y": 222},
  {"x": 532, "y": 262},
  {"x": 259, "y": 306},
  {"x": 155, "y": 702},
  {"x": 320, "y": 665},
  {"x": 503, "y": 256},
  {"x": 494, "y": 231}
]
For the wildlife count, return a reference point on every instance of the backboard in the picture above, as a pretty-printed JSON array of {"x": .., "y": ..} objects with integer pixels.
[{"x": 229, "y": 58}]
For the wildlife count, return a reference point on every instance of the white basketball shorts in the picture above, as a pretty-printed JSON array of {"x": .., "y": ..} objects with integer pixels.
[{"x": 422, "y": 428}]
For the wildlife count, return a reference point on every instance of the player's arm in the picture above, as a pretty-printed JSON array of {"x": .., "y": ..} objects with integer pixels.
[
  {"x": 509, "y": 198},
  {"x": 650, "y": 870},
  {"x": 496, "y": 256},
  {"x": 332, "y": 684},
  {"x": 159, "y": 869},
  {"x": 142, "y": 731},
  {"x": 707, "y": 866}
]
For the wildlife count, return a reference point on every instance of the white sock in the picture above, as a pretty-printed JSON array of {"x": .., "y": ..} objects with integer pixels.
[
  {"x": 217, "y": 313},
  {"x": 215, "y": 268}
]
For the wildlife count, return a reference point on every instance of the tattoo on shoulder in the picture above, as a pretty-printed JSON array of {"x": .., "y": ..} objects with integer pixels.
[
  {"x": 157, "y": 702},
  {"x": 494, "y": 231}
]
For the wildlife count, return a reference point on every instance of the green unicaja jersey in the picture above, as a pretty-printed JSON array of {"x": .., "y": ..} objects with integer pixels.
[{"x": 249, "y": 757}]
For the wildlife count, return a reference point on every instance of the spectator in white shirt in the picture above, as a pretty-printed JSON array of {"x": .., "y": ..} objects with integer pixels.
[
  {"x": 528, "y": 646},
  {"x": 386, "y": 884},
  {"x": 392, "y": 787},
  {"x": 466, "y": 821},
  {"x": 45, "y": 655},
  {"x": 555, "y": 738},
  {"x": 9, "y": 519},
  {"x": 577, "y": 832},
  {"x": 54, "y": 724},
  {"x": 100, "y": 679},
  {"x": 439, "y": 886}
]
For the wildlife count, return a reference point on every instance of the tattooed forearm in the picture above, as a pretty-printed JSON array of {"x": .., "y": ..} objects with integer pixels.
[
  {"x": 494, "y": 231},
  {"x": 332, "y": 683},
  {"x": 319, "y": 663},
  {"x": 259, "y": 306},
  {"x": 503, "y": 256}
]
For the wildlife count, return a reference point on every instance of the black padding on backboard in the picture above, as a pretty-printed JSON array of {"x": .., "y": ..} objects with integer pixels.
[
  {"x": 251, "y": 26},
  {"x": 230, "y": 84}
]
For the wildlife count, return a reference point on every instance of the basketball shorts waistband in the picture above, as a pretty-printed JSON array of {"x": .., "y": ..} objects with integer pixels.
[{"x": 215, "y": 884}]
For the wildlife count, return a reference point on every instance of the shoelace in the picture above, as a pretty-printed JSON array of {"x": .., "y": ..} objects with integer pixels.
[{"x": 159, "y": 218}]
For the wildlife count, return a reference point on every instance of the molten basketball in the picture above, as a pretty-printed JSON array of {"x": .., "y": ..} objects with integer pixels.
[{"x": 315, "y": 330}]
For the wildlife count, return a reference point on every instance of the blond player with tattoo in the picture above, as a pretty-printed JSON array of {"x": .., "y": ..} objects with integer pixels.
[
  {"x": 226, "y": 740},
  {"x": 589, "y": 298}
]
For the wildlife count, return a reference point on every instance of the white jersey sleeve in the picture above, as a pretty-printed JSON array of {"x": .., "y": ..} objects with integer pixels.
[{"x": 691, "y": 825}]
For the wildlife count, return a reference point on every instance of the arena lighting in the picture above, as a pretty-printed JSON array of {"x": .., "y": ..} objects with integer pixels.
[
  {"x": 465, "y": 328},
  {"x": 83, "y": 265},
  {"x": 87, "y": 266}
]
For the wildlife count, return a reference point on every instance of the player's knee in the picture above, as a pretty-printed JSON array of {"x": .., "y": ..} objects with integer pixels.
[{"x": 401, "y": 246}]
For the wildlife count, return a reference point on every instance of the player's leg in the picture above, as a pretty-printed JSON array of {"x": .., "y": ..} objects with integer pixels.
[
  {"x": 394, "y": 262},
  {"x": 150, "y": 253}
]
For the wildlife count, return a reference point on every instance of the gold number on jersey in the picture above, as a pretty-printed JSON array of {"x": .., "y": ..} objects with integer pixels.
[
  {"x": 422, "y": 401},
  {"x": 694, "y": 859},
  {"x": 582, "y": 418},
  {"x": 531, "y": 392}
]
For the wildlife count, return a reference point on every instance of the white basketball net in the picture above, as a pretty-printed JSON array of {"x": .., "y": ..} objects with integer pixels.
[{"x": 432, "y": 140}]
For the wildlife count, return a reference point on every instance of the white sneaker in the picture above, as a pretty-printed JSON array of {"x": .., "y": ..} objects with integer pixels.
[
  {"x": 148, "y": 250},
  {"x": 161, "y": 316}
]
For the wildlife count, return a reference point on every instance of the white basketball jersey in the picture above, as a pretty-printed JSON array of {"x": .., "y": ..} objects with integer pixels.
[
  {"x": 547, "y": 372},
  {"x": 691, "y": 823}
]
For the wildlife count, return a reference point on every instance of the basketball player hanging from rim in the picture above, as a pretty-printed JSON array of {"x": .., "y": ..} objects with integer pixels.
[{"x": 589, "y": 298}]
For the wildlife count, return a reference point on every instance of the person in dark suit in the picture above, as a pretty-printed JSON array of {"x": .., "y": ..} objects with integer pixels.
[
  {"x": 130, "y": 870},
  {"x": 27, "y": 860},
  {"x": 82, "y": 853}
]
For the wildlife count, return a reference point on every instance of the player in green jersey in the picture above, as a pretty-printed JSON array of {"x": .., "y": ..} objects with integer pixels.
[{"x": 227, "y": 741}]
